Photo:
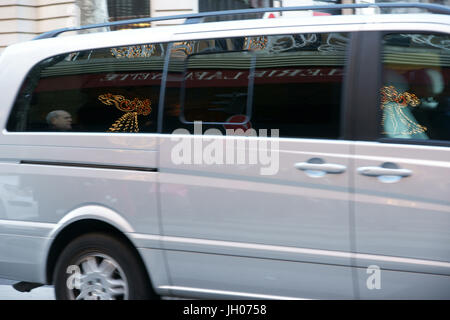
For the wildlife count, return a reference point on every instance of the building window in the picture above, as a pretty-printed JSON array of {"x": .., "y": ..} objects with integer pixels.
[
  {"x": 214, "y": 5},
  {"x": 124, "y": 10}
]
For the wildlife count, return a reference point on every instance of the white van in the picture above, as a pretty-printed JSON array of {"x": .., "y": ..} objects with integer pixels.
[{"x": 275, "y": 158}]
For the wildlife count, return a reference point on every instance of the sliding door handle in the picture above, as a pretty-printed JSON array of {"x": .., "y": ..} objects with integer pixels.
[
  {"x": 380, "y": 171},
  {"x": 316, "y": 167},
  {"x": 388, "y": 172},
  {"x": 326, "y": 167}
]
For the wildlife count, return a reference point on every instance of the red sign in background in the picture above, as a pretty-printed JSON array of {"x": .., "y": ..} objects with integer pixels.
[{"x": 193, "y": 79}]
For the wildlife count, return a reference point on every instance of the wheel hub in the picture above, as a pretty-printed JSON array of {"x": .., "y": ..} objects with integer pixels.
[{"x": 100, "y": 278}]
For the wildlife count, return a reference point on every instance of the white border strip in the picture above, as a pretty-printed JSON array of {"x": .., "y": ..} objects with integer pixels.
[
  {"x": 230, "y": 293},
  {"x": 264, "y": 247},
  {"x": 28, "y": 224}
]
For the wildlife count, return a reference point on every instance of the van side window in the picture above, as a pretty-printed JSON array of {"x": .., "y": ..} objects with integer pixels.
[
  {"x": 415, "y": 96},
  {"x": 101, "y": 90},
  {"x": 298, "y": 84},
  {"x": 208, "y": 81},
  {"x": 288, "y": 82}
]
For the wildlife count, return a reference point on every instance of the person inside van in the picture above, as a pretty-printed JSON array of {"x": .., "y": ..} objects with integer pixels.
[{"x": 59, "y": 120}]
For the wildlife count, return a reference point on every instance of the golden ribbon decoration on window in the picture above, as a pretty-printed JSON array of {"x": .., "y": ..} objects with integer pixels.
[{"x": 132, "y": 108}]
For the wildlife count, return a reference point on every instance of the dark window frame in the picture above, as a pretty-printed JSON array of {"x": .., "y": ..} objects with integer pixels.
[{"x": 362, "y": 99}]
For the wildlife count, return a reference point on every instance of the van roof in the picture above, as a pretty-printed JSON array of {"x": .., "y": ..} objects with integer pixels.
[{"x": 334, "y": 23}]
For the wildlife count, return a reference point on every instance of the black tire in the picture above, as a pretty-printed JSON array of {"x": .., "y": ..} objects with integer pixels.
[{"x": 96, "y": 247}]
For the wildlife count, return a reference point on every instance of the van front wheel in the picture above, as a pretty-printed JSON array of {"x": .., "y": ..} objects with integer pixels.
[{"x": 97, "y": 266}]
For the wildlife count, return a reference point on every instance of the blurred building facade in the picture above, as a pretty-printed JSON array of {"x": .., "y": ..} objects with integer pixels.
[{"x": 22, "y": 20}]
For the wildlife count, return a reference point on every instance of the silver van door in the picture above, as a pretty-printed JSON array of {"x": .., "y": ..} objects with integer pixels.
[
  {"x": 401, "y": 179},
  {"x": 273, "y": 223}
]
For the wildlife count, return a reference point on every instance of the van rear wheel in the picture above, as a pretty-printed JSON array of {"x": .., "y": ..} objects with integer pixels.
[{"x": 98, "y": 266}]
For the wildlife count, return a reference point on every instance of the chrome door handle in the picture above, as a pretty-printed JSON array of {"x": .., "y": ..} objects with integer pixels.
[
  {"x": 326, "y": 167},
  {"x": 316, "y": 167},
  {"x": 380, "y": 171}
]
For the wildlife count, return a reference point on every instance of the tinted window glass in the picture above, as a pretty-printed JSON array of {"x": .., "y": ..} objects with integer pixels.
[
  {"x": 208, "y": 81},
  {"x": 298, "y": 82},
  {"x": 415, "y": 97},
  {"x": 212, "y": 91},
  {"x": 291, "y": 82},
  {"x": 102, "y": 90}
]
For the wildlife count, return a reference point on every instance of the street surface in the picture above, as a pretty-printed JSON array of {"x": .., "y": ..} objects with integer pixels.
[{"x": 7, "y": 292}]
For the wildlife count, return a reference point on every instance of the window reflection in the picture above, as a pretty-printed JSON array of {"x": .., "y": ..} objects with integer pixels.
[
  {"x": 102, "y": 90},
  {"x": 415, "y": 98},
  {"x": 288, "y": 82}
]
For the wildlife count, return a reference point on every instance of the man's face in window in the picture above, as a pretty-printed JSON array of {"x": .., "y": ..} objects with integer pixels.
[{"x": 62, "y": 121}]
